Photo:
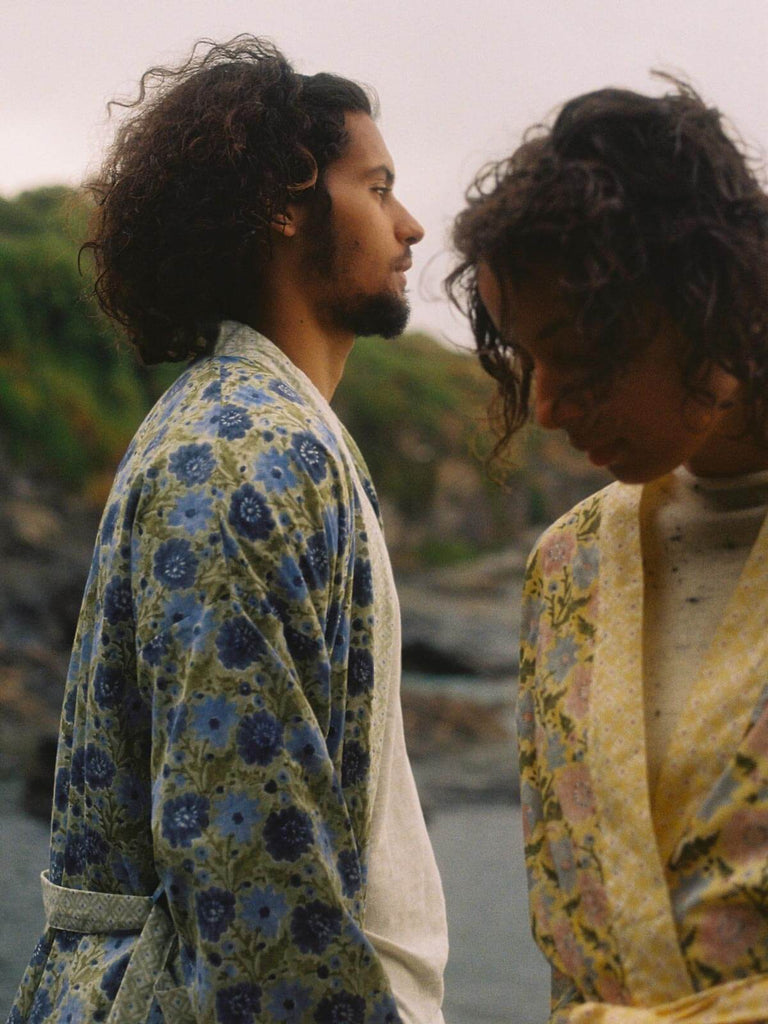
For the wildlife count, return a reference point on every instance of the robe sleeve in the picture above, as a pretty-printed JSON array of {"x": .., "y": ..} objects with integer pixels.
[
  {"x": 243, "y": 585},
  {"x": 540, "y": 868}
]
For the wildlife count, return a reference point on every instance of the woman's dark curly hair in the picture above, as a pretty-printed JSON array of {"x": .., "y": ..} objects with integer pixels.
[
  {"x": 635, "y": 203},
  {"x": 209, "y": 153}
]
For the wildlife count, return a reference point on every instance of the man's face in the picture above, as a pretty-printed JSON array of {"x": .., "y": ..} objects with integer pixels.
[
  {"x": 643, "y": 423},
  {"x": 357, "y": 254}
]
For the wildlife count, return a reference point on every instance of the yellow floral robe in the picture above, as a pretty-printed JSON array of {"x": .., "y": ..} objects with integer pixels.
[{"x": 638, "y": 929}]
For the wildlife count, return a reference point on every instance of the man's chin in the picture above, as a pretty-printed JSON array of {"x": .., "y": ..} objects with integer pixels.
[{"x": 384, "y": 315}]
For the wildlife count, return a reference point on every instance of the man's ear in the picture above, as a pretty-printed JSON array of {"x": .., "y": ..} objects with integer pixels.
[{"x": 287, "y": 222}]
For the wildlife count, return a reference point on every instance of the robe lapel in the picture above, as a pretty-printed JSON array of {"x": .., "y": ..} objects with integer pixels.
[
  {"x": 640, "y": 909},
  {"x": 721, "y": 701}
]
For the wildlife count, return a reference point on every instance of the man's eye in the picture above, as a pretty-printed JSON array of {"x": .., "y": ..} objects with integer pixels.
[{"x": 382, "y": 190}]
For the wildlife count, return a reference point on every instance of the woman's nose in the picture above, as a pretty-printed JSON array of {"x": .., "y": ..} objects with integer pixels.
[{"x": 558, "y": 403}]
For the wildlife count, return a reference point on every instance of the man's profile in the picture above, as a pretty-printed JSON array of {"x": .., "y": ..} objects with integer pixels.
[{"x": 236, "y": 834}]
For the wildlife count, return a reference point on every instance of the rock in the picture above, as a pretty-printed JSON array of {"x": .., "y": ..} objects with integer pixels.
[{"x": 464, "y": 619}]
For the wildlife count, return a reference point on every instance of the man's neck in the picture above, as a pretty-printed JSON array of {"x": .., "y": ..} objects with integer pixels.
[{"x": 319, "y": 350}]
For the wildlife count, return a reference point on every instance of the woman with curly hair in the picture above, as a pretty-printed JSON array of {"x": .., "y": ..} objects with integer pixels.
[
  {"x": 615, "y": 272},
  {"x": 236, "y": 834}
]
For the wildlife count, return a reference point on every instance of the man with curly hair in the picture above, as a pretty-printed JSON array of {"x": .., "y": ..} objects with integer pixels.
[
  {"x": 236, "y": 834},
  {"x": 615, "y": 271}
]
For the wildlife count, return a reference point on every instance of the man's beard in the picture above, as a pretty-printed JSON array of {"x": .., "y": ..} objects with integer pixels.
[{"x": 384, "y": 313}]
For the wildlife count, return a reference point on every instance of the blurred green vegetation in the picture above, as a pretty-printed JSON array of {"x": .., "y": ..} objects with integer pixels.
[{"x": 71, "y": 395}]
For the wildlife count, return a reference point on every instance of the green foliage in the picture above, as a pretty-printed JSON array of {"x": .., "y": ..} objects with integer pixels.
[
  {"x": 70, "y": 397},
  {"x": 411, "y": 404}
]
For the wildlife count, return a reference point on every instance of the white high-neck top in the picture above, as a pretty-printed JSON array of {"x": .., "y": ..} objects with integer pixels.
[{"x": 697, "y": 533}]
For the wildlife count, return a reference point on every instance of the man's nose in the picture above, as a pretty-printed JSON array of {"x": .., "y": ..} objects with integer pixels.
[{"x": 409, "y": 230}]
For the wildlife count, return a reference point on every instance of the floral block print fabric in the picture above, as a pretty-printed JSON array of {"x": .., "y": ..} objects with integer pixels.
[
  {"x": 216, "y": 734},
  {"x": 676, "y": 926}
]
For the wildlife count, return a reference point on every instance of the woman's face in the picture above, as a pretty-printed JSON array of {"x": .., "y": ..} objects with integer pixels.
[{"x": 643, "y": 423}]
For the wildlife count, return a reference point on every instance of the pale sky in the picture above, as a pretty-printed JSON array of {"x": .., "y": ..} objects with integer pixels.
[{"x": 459, "y": 82}]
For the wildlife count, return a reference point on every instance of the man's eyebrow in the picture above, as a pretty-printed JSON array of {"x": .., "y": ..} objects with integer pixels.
[{"x": 389, "y": 174}]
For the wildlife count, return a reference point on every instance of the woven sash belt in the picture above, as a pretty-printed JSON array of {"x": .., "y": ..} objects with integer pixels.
[{"x": 145, "y": 978}]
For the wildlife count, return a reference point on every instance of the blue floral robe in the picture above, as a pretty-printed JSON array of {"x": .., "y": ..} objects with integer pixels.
[{"x": 218, "y": 726}]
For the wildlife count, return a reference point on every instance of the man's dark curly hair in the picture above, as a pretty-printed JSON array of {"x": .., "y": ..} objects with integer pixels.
[
  {"x": 209, "y": 153},
  {"x": 636, "y": 203}
]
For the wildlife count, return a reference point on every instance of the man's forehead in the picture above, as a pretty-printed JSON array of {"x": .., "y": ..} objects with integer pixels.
[{"x": 366, "y": 152}]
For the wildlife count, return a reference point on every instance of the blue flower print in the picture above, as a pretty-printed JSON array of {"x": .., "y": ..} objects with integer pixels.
[
  {"x": 77, "y": 768},
  {"x": 235, "y": 815},
  {"x": 118, "y": 603},
  {"x": 354, "y": 764},
  {"x": 99, "y": 767},
  {"x": 310, "y": 456},
  {"x": 184, "y": 818},
  {"x": 385, "y": 1011},
  {"x": 259, "y": 738},
  {"x": 75, "y": 857},
  {"x": 341, "y": 1008},
  {"x": 109, "y": 522},
  {"x": 289, "y": 1002},
  {"x": 113, "y": 975},
  {"x": 264, "y": 909},
  {"x": 73, "y": 1011},
  {"x": 307, "y": 746},
  {"x": 42, "y": 951},
  {"x": 239, "y": 643},
  {"x": 371, "y": 493},
  {"x": 250, "y": 514},
  {"x": 192, "y": 511},
  {"x": 176, "y": 721},
  {"x": 238, "y": 1004},
  {"x": 96, "y": 848},
  {"x": 67, "y": 942},
  {"x": 251, "y": 394},
  {"x": 285, "y": 391},
  {"x": 362, "y": 586},
  {"x": 314, "y": 562},
  {"x": 192, "y": 463},
  {"x": 288, "y": 834},
  {"x": 215, "y": 912},
  {"x": 315, "y": 925},
  {"x": 585, "y": 565},
  {"x": 234, "y": 422},
  {"x": 212, "y": 720},
  {"x": 41, "y": 1007},
  {"x": 562, "y": 658},
  {"x": 154, "y": 650},
  {"x": 108, "y": 686},
  {"x": 133, "y": 796},
  {"x": 273, "y": 469},
  {"x": 348, "y": 866},
  {"x": 61, "y": 789},
  {"x": 303, "y": 646},
  {"x": 361, "y": 671},
  {"x": 175, "y": 563},
  {"x": 290, "y": 579}
]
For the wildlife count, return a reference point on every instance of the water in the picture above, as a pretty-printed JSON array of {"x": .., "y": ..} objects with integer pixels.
[{"x": 495, "y": 974}]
